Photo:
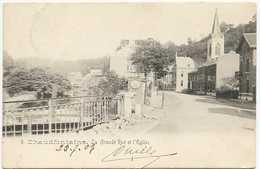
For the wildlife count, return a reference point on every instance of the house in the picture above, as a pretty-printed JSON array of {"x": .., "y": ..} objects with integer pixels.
[
  {"x": 75, "y": 79},
  {"x": 168, "y": 81},
  {"x": 219, "y": 67},
  {"x": 247, "y": 78},
  {"x": 183, "y": 66},
  {"x": 96, "y": 72},
  {"x": 90, "y": 83},
  {"x": 120, "y": 61}
]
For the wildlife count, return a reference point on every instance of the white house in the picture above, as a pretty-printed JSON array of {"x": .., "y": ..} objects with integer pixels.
[{"x": 184, "y": 65}]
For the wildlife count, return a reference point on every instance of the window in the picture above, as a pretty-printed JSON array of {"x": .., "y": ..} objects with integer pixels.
[
  {"x": 182, "y": 75},
  {"x": 209, "y": 50},
  {"x": 247, "y": 86},
  {"x": 182, "y": 83},
  {"x": 254, "y": 58},
  {"x": 247, "y": 65},
  {"x": 217, "y": 49}
]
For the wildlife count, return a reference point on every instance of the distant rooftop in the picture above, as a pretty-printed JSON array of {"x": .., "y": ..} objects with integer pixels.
[
  {"x": 185, "y": 62},
  {"x": 251, "y": 39}
]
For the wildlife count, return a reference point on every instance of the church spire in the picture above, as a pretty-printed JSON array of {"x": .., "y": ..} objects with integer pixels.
[{"x": 216, "y": 27}]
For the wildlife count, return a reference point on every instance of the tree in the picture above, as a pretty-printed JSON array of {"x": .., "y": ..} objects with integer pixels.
[
  {"x": 251, "y": 26},
  {"x": 151, "y": 56},
  {"x": 189, "y": 41},
  {"x": 171, "y": 49},
  {"x": 197, "y": 50},
  {"x": 224, "y": 27},
  {"x": 8, "y": 64},
  {"x": 231, "y": 83},
  {"x": 112, "y": 84},
  {"x": 35, "y": 79}
]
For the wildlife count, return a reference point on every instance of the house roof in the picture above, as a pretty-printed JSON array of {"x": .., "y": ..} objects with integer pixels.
[
  {"x": 250, "y": 39},
  {"x": 185, "y": 62}
]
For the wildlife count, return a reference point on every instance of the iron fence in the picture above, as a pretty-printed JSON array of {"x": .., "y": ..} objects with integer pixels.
[{"x": 59, "y": 115}]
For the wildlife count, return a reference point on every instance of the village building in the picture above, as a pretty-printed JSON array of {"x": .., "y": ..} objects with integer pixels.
[
  {"x": 219, "y": 67},
  {"x": 177, "y": 76},
  {"x": 120, "y": 61},
  {"x": 184, "y": 65},
  {"x": 247, "y": 78},
  {"x": 89, "y": 84},
  {"x": 75, "y": 79},
  {"x": 169, "y": 80},
  {"x": 121, "y": 64}
]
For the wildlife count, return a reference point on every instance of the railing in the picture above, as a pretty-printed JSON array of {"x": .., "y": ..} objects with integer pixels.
[{"x": 59, "y": 115}]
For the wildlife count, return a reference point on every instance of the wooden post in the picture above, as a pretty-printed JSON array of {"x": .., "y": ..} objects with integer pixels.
[{"x": 162, "y": 105}]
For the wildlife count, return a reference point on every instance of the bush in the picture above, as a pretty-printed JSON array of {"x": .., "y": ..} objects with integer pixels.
[
  {"x": 227, "y": 93},
  {"x": 187, "y": 91}
]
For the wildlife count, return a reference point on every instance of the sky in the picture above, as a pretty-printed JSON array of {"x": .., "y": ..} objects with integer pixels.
[{"x": 74, "y": 31}]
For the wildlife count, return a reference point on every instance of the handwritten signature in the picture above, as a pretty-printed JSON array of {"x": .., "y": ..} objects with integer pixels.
[{"x": 131, "y": 153}]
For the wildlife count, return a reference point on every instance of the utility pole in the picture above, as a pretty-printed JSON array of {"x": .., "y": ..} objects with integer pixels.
[{"x": 162, "y": 105}]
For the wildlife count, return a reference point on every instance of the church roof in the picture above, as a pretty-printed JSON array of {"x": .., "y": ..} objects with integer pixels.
[
  {"x": 250, "y": 39},
  {"x": 216, "y": 27}
]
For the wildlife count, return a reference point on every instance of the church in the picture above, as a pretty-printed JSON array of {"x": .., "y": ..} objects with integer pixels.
[{"x": 219, "y": 66}]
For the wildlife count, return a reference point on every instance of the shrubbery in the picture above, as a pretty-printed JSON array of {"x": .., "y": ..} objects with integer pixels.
[{"x": 226, "y": 92}]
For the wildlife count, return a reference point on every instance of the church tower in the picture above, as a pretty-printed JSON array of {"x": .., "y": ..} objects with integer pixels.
[{"x": 215, "y": 45}]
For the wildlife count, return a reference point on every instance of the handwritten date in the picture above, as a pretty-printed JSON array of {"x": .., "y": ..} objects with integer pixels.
[{"x": 74, "y": 148}]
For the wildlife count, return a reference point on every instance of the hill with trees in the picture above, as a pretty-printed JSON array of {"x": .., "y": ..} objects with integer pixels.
[{"x": 232, "y": 35}]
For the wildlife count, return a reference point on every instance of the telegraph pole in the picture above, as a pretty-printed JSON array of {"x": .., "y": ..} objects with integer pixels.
[{"x": 162, "y": 105}]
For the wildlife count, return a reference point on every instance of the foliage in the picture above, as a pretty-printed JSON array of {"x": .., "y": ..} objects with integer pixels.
[
  {"x": 232, "y": 35},
  {"x": 227, "y": 93},
  {"x": 112, "y": 83},
  {"x": 230, "y": 83},
  {"x": 229, "y": 89},
  {"x": 35, "y": 79},
  {"x": 151, "y": 56},
  {"x": 196, "y": 50},
  {"x": 8, "y": 63}
]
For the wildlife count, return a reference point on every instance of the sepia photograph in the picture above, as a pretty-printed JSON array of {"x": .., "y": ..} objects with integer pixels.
[{"x": 129, "y": 85}]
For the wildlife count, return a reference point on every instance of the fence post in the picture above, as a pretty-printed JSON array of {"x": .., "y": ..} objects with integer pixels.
[
  {"x": 22, "y": 124},
  {"x": 118, "y": 107},
  {"x": 50, "y": 113},
  {"x": 29, "y": 124},
  {"x": 122, "y": 105},
  {"x": 81, "y": 112},
  {"x": 4, "y": 123},
  {"x": 106, "y": 109},
  {"x": 14, "y": 131},
  {"x": 127, "y": 105}
]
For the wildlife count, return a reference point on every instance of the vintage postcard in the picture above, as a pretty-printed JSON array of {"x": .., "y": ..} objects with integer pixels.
[{"x": 129, "y": 85}]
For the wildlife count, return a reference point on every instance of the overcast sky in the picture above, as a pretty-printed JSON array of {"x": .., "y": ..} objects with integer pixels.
[{"x": 72, "y": 31}]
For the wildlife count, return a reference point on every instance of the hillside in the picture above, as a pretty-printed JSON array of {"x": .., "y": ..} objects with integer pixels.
[{"x": 232, "y": 35}]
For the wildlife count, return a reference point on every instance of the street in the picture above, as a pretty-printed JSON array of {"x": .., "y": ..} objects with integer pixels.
[
  {"x": 205, "y": 132},
  {"x": 200, "y": 130},
  {"x": 190, "y": 113}
]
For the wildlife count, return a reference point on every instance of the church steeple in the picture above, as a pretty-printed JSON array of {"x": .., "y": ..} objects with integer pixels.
[
  {"x": 216, "y": 40},
  {"x": 216, "y": 26}
]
